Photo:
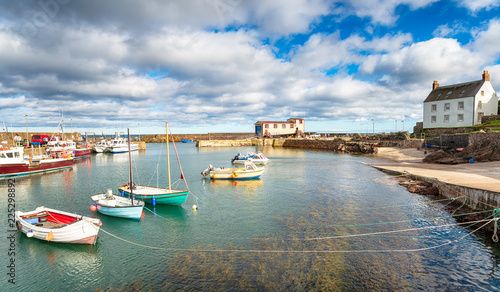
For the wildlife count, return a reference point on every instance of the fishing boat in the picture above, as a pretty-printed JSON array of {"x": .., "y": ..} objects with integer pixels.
[
  {"x": 248, "y": 171},
  {"x": 58, "y": 226},
  {"x": 159, "y": 195},
  {"x": 57, "y": 147},
  {"x": 100, "y": 146},
  {"x": 187, "y": 141},
  {"x": 13, "y": 162},
  {"x": 256, "y": 158},
  {"x": 119, "y": 145},
  {"x": 117, "y": 206}
]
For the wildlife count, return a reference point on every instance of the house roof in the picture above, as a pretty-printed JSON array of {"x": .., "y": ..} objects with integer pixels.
[
  {"x": 454, "y": 91},
  {"x": 273, "y": 122}
]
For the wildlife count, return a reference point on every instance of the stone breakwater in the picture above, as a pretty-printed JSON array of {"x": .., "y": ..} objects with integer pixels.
[{"x": 339, "y": 146}]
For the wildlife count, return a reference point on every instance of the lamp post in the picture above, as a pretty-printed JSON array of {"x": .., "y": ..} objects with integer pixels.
[
  {"x": 373, "y": 122},
  {"x": 27, "y": 137}
]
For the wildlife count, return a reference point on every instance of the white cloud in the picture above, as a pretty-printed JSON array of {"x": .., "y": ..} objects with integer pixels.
[
  {"x": 477, "y": 5},
  {"x": 487, "y": 42},
  {"x": 439, "y": 58}
]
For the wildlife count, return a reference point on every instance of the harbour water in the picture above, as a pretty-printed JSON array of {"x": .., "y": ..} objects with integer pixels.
[{"x": 314, "y": 221}]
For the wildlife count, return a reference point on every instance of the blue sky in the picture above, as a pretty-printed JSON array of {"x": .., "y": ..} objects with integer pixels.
[{"x": 221, "y": 65}]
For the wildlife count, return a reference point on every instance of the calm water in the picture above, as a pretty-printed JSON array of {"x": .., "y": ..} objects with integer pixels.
[{"x": 278, "y": 233}]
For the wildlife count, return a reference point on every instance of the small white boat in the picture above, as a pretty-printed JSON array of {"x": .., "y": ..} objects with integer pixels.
[
  {"x": 58, "y": 226},
  {"x": 118, "y": 206},
  {"x": 119, "y": 145},
  {"x": 100, "y": 146},
  {"x": 248, "y": 171},
  {"x": 256, "y": 158}
]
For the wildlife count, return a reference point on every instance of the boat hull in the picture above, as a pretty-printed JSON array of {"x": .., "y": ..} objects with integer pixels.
[
  {"x": 81, "y": 153},
  {"x": 154, "y": 195},
  {"x": 231, "y": 174},
  {"x": 24, "y": 168},
  {"x": 121, "y": 149},
  {"x": 118, "y": 206},
  {"x": 57, "y": 226}
]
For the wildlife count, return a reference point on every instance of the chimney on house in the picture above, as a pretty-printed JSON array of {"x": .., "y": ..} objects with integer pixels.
[
  {"x": 435, "y": 85},
  {"x": 486, "y": 76}
]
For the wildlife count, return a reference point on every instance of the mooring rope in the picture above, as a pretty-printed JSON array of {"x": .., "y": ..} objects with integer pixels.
[{"x": 303, "y": 251}]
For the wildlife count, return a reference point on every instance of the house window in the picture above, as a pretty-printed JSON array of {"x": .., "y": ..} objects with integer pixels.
[
  {"x": 433, "y": 107},
  {"x": 283, "y": 126},
  {"x": 433, "y": 119},
  {"x": 276, "y": 126},
  {"x": 267, "y": 126},
  {"x": 461, "y": 117},
  {"x": 479, "y": 105},
  {"x": 446, "y": 118},
  {"x": 446, "y": 107},
  {"x": 480, "y": 116},
  {"x": 482, "y": 92},
  {"x": 460, "y": 105}
]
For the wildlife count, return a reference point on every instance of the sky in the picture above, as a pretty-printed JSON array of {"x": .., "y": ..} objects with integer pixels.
[{"x": 210, "y": 66}]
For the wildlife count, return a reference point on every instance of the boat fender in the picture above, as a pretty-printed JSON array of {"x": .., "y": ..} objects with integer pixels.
[
  {"x": 93, "y": 208},
  {"x": 49, "y": 236},
  {"x": 235, "y": 174},
  {"x": 213, "y": 176},
  {"x": 153, "y": 201},
  {"x": 195, "y": 207},
  {"x": 30, "y": 233}
]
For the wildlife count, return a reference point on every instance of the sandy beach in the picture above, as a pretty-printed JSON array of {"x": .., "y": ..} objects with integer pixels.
[{"x": 479, "y": 175}]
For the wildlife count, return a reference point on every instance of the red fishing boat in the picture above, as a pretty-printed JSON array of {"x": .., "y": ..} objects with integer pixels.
[{"x": 13, "y": 163}]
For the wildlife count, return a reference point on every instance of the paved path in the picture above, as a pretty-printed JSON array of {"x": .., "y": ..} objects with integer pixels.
[{"x": 484, "y": 175}]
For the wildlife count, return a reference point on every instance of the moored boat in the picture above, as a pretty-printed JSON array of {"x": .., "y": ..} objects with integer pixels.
[
  {"x": 13, "y": 163},
  {"x": 159, "y": 195},
  {"x": 118, "y": 206},
  {"x": 100, "y": 146},
  {"x": 119, "y": 145},
  {"x": 58, "y": 148},
  {"x": 248, "y": 171},
  {"x": 256, "y": 158},
  {"x": 58, "y": 226}
]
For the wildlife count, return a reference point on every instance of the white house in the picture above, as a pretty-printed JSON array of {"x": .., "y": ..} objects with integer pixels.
[
  {"x": 276, "y": 129},
  {"x": 460, "y": 105}
]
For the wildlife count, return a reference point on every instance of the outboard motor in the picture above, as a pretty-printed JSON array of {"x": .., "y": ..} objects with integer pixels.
[{"x": 207, "y": 171}]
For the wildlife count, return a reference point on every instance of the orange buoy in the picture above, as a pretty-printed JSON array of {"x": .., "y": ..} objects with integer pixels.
[
  {"x": 93, "y": 208},
  {"x": 49, "y": 236}
]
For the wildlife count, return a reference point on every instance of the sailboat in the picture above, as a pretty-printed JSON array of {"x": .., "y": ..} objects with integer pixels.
[
  {"x": 118, "y": 206},
  {"x": 159, "y": 195}
]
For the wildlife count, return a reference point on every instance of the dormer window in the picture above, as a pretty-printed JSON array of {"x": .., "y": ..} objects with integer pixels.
[
  {"x": 463, "y": 91},
  {"x": 449, "y": 92}
]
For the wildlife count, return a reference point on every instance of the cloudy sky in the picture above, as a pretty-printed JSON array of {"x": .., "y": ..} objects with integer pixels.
[{"x": 221, "y": 65}]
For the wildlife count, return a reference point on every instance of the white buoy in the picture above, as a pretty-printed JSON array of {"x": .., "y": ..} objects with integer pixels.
[
  {"x": 195, "y": 207},
  {"x": 30, "y": 233}
]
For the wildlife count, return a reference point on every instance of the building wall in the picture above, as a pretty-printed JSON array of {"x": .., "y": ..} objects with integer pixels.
[
  {"x": 489, "y": 100},
  {"x": 453, "y": 113}
]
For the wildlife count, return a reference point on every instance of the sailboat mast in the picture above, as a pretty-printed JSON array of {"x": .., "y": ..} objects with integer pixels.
[
  {"x": 130, "y": 169},
  {"x": 168, "y": 158}
]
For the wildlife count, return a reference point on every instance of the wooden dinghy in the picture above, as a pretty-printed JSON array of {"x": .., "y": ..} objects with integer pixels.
[{"x": 58, "y": 226}]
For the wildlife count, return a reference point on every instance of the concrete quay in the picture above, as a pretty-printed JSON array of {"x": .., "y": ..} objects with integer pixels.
[{"x": 476, "y": 184}]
